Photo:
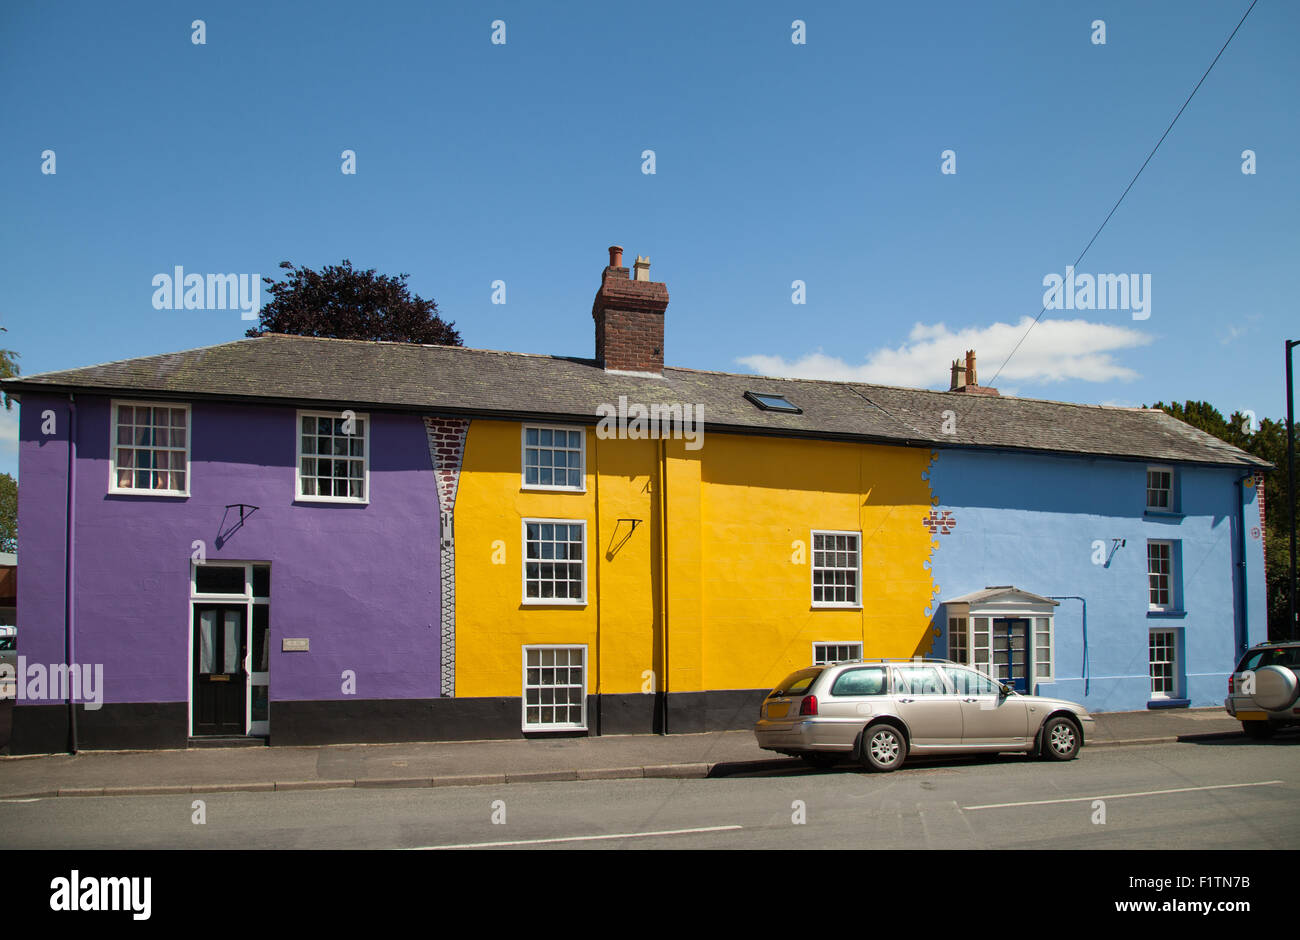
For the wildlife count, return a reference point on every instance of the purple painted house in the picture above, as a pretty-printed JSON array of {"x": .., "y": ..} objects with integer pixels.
[{"x": 357, "y": 581}]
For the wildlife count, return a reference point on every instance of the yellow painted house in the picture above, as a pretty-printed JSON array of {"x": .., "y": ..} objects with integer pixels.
[{"x": 677, "y": 569}]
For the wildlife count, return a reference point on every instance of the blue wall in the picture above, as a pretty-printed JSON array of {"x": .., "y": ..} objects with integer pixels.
[{"x": 1032, "y": 521}]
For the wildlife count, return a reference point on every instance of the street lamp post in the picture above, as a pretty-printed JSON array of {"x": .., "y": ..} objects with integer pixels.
[{"x": 1290, "y": 469}]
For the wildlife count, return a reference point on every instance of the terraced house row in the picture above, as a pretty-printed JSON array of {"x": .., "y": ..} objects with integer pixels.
[{"x": 314, "y": 540}]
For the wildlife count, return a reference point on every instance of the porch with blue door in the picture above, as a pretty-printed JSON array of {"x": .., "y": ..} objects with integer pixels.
[{"x": 1006, "y": 633}]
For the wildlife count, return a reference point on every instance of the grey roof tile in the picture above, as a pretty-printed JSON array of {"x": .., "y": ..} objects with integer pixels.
[{"x": 452, "y": 379}]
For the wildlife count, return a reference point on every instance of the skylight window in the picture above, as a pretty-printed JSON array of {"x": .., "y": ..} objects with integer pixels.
[{"x": 773, "y": 403}]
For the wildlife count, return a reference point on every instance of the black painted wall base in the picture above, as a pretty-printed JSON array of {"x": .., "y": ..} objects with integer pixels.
[{"x": 43, "y": 729}]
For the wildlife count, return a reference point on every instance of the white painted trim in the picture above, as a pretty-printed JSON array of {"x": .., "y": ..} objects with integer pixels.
[
  {"x": 1175, "y": 635},
  {"x": 1173, "y": 507},
  {"x": 298, "y": 495},
  {"x": 523, "y": 463},
  {"x": 1173, "y": 575},
  {"x": 523, "y": 564},
  {"x": 523, "y": 687},
  {"x": 817, "y": 643},
  {"x": 856, "y": 604},
  {"x": 249, "y": 602},
  {"x": 113, "y": 445}
]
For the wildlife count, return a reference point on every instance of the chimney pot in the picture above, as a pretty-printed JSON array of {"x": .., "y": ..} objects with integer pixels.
[
  {"x": 616, "y": 256},
  {"x": 970, "y": 368},
  {"x": 641, "y": 269}
]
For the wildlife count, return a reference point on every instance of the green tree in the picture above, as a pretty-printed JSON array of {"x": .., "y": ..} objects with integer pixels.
[
  {"x": 1268, "y": 442},
  {"x": 342, "y": 302},
  {"x": 8, "y": 368},
  {"x": 8, "y": 513}
]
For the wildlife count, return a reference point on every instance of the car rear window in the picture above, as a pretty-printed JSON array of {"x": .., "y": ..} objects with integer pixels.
[
  {"x": 868, "y": 681},
  {"x": 797, "y": 682},
  {"x": 1270, "y": 656}
]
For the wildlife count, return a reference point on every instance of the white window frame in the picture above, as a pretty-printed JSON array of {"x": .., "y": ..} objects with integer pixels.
[
  {"x": 1041, "y": 674},
  {"x": 523, "y": 564},
  {"x": 959, "y": 626},
  {"x": 523, "y": 685},
  {"x": 822, "y": 647},
  {"x": 1172, "y": 508},
  {"x": 298, "y": 494},
  {"x": 113, "y": 446},
  {"x": 1171, "y": 577},
  {"x": 1175, "y": 691},
  {"x": 856, "y": 603},
  {"x": 523, "y": 458}
]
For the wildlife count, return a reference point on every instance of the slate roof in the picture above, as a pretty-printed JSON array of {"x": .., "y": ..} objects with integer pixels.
[{"x": 452, "y": 380}]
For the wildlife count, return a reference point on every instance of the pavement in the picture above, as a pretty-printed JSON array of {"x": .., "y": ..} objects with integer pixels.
[{"x": 474, "y": 763}]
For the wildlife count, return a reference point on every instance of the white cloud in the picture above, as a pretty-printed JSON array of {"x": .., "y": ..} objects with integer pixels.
[{"x": 1054, "y": 351}]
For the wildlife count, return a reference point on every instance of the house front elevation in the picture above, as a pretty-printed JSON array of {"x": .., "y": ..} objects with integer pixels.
[{"x": 310, "y": 540}]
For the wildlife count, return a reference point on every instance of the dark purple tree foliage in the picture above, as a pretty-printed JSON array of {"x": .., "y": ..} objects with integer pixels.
[{"x": 342, "y": 302}]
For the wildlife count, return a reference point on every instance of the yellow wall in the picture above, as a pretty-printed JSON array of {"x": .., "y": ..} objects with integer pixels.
[{"x": 739, "y": 607}]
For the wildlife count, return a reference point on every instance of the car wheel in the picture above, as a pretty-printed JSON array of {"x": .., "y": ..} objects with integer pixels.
[
  {"x": 884, "y": 748},
  {"x": 820, "y": 759},
  {"x": 1259, "y": 730},
  {"x": 1060, "y": 741}
]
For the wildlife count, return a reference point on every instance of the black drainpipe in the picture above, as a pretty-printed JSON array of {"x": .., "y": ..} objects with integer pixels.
[{"x": 69, "y": 612}]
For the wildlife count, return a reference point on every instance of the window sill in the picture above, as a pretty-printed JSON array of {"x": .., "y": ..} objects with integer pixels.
[
  {"x": 535, "y": 488},
  {"x": 1169, "y": 703},
  {"x": 1167, "y": 614},
  {"x": 1163, "y": 515},
  {"x": 547, "y": 602},
  {"x": 836, "y": 607},
  {"x": 157, "y": 494},
  {"x": 328, "y": 501}
]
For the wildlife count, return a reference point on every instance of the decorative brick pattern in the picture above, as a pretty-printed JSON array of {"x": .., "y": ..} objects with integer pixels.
[
  {"x": 939, "y": 523},
  {"x": 446, "y": 450},
  {"x": 1259, "y": 497}
]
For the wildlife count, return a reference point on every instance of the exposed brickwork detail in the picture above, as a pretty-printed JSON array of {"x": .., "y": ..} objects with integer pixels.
[
  {"x": 939, "y": 522},
  {"x": 446, "y": 449},
  {"x": 1259, "y": 498},
  {"x": 629, "y": 319}
]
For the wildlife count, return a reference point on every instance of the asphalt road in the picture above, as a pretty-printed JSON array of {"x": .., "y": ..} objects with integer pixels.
[{"x": 1230, "y": 794}]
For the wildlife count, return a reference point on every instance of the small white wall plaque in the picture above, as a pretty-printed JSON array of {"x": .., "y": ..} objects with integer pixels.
[{"x": 295, "y": 645}]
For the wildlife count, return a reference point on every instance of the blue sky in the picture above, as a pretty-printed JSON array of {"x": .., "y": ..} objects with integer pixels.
[{"x": 775, "y": 162}]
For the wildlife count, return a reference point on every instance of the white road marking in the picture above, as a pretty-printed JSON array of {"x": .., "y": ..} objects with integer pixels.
[
  {"x": 1121, "y": 796},
  {"x": 35, "y": 799},
  {"x": 619, "y": 835}
]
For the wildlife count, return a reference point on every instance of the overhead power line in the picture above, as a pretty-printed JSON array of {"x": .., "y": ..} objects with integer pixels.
[{"x": 1131, "y": 182}]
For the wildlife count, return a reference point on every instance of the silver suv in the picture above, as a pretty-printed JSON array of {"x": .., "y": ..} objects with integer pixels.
[
  {"x": 1263, "y": 689},
  {"x": 880, "y": 711}
]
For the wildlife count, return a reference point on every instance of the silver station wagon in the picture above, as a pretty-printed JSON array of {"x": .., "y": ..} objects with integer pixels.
[{"x": 880, "y": 711}]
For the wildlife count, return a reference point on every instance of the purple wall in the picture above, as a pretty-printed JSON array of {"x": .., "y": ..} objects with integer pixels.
[{"x": 360, "y": 581}]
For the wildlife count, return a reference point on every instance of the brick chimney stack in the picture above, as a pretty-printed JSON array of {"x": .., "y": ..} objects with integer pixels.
[
  {"x": 964, "y": 378},
  {"x": 629, "y": 315}
]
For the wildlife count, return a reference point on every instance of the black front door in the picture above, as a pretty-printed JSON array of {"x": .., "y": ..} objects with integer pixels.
[
  {"x": 220, "y": 684},
  {"x": 1011, "y": 653}
]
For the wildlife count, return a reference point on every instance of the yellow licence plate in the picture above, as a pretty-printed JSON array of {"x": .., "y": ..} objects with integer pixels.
[
  {"x": 1253, "y": 716},
  {"x": 778, "y": 711}
]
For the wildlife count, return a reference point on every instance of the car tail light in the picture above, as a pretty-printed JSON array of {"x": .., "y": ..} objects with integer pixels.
[
  {"x": 808, "y": 706},
  {"x": 1232, "y": 682}
]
